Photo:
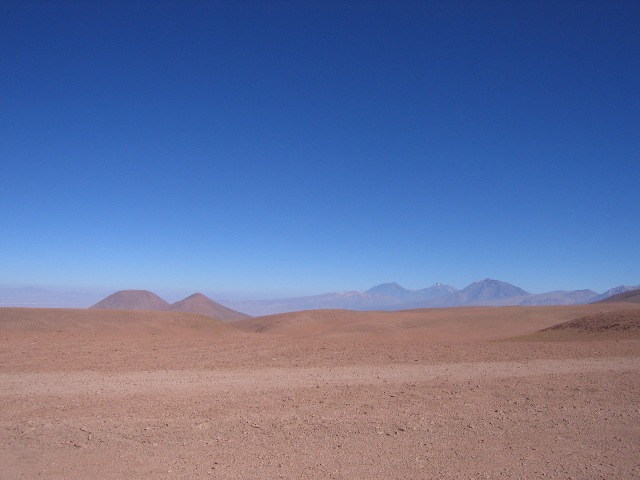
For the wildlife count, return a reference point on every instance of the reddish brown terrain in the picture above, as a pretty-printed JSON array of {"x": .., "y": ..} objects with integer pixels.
[{"x": 477, "y": 392}]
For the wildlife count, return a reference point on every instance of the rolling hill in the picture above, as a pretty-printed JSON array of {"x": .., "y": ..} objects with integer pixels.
[{"x": 434, "y": 324}]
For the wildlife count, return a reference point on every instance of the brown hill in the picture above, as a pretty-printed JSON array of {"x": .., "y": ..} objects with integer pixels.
[
  {"x": 632, "y": 296},
  {"x": 625, "y": 321},
  {"x": 199, "y": 303},
  {"x": 132, "y": 300},
  {"x": 623, "y": 324},
  {"x": 435, "y": 324}
]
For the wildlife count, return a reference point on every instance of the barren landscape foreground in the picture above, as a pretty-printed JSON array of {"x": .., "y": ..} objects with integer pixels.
[{"x": 477, "y": 392}]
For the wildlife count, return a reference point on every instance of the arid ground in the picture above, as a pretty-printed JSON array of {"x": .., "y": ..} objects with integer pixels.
[{"x": 442, "y": 393}]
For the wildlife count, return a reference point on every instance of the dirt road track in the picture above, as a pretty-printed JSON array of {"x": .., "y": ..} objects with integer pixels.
[
  {"x": 206, "y": 381},
  {"x": 542, "y": 419}
]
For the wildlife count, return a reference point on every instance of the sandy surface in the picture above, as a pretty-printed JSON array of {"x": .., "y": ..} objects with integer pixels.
[{"x": 455, "y": 393}]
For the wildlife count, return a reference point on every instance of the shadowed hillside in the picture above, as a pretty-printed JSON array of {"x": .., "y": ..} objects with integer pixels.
[
  {"x": 632, "y": 296},
  {"x": 611, "y": 324},
  {"x": 626, "y": 321}
]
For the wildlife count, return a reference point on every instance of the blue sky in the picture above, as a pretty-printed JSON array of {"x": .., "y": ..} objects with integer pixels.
[{"x": 290, "y": 148}]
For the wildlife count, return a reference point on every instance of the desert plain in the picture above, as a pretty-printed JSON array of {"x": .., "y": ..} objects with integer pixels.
[{"x": 476, "y": 392}]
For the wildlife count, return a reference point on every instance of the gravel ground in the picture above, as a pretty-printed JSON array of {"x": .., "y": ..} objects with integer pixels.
[{"x": 220, "y": 403}]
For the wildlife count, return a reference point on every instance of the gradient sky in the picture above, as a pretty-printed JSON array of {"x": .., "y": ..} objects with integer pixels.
[{"x": 290, "y": 148}]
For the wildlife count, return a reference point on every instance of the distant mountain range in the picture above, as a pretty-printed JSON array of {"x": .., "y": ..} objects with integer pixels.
[
  {"x": 145, "y": 300},
  {"x": 386, "y": 296},
  {"x": 484, "y": 292},
  {"x": 391, "y": 296}
]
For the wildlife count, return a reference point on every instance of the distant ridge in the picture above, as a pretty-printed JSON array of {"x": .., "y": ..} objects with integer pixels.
[
  {"x": 401, "y": 294},
  {"x": 631, "y": 296},
  {"x": 488, "y": 290},
  {"x": 484, "y": 292},
  {"x": 386, "y": 296},
  {"x": 132, "y": 300},
  {"x": 199, "y": 303},
  {"x": 560, "y": 297}
]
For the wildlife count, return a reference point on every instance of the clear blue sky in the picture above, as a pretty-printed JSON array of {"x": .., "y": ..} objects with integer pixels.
[{"x": 267, "y": 148}]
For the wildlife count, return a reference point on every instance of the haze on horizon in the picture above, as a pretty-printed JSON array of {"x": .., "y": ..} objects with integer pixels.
[{"x": 296, "y": 148}]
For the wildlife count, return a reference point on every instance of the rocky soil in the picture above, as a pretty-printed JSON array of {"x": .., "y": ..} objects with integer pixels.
[{"x": 119, "y": 397}]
